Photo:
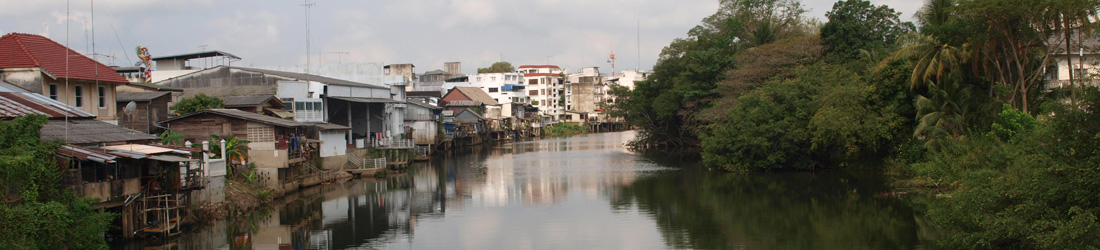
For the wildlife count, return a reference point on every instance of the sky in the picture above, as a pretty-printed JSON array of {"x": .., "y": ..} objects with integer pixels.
[{"x": 569, "y": 33}]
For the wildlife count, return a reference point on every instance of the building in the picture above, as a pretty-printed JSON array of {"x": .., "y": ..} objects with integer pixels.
[
  {"x": 582, "y": 91},
  {"x": 278, "y": 147},
  {"x": 545, "y": 88},
  {"x": 1083, "y": 59},
  {"x": 40, "y": 65},
  {"x": 260, "y": 104},
  {"x": 501, "y": 87},
  {"x": 149, "y": 109},
  {"x": 406, "y": 71},
  {"x": 425, "y": 122}
]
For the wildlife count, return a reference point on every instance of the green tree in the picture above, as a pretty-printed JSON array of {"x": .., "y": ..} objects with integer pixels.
[
  {"x": 858, "y": 25},
  {"x": 197, "y": 103},
  {"x": 44, "y": 215},
  {"x": 498, "y": 67}
]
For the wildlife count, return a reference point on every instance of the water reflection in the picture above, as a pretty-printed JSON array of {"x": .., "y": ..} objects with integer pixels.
[{"x": 582, "y": 192}]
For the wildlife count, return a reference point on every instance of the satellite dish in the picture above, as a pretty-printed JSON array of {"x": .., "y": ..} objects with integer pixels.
[{"x": 130, "y": 107}]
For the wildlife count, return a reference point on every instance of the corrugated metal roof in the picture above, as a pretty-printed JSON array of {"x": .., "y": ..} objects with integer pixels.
[
  {"x": 252, "y": 100},
  {"x": 8, "y": 87},
  {"x": 144, "y": 149},
  {"x": 248, "y": 116},
  {"x": 311, "y": 77},
  {"x": 19, "y": 50},
  {"x": 476, "y": 94},
  {"x": 463, "y": 103},
  {"x": 139, "y": 96},
  {"x": 364, "y": 100},
  {"x": 16, "y": 104},
  {"x": 422, "y": 104},
  {"x": 86, "y": 131},
  {"x": 85, "y": 154}
]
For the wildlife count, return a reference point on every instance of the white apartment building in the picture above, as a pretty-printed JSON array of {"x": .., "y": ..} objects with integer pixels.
[
  {"x": 503, "y": 87},
  {"x": 545, "y": 88}
]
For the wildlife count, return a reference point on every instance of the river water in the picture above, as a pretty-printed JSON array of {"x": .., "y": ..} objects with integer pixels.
[{"x": 584, "y": 192}]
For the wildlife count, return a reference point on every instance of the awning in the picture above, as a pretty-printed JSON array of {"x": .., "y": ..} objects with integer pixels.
[
  {"x": 364, "y": 100},
  {"x": 171, "y": 158},
  {"x": 510, "y": 87},
  {"x": 144, "y": 149},
  {"x": 81, "y": 153}
]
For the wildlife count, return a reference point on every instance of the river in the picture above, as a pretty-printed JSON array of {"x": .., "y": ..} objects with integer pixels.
[{"x": 583, "y": 192}]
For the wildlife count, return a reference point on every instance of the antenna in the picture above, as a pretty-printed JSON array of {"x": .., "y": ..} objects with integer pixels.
[
  {"x": 639, "y": 67},
  {"x": 339, "y": 55},
  {"x": 307, "y": 5}
]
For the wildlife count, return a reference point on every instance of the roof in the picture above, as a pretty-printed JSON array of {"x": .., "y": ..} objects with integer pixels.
[
  {"x": 541, "y": 75},
  {"x": 253, "y": 100},
  {"x": 461, "y": 116},
  {"x": 422, "y": 104},
  {"x": 139, "y": 96},
  {"x": 310, "y": 77},
  {"x": 463, "y": 103},
  {"x": 329, "y": 126},
  {"x": 364, "y": 100},
  {"x": 146, "y": 149},
  {"x": 196, "y": 55},
  {"x": 17, "y": 104},
  {"x": 82, "y": 131},
  {"x": 19, "y": 50},
  {"x": 476, "y": 94},
  {"x": 8, "y": 87},
  {"x": 538, "y": 67},
  {"x": 156, "y": 87},
  {"x": 424, "y": 93},
  {"x": 85, "y": 154},
  {"x": 248, "y": 116}
]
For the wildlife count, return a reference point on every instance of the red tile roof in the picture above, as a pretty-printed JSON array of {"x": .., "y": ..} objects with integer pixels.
[
  {"x": 538, "y": 66},
  {"x": 541, "y": 74},
  {"x": 18, "y": 50}
]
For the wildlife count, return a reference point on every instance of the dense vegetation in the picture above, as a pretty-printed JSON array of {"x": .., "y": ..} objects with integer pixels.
[
  {"x": 37, "y": 212},
  {"x": 958, "y": 102},
  {"x": 498, "y": 67},
  {"x": 197, "y": 103}
]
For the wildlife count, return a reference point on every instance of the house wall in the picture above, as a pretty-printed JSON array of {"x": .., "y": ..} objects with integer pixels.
[
  {"x": 418, "y": 113},
  {"x": 32, "y": 79},
  {"x": 111, "y": 190},
  {"x": 333, "y": 143},
  {"x": 199, "y": 127},
  {"x": 146, "y": 116},
  {"x": 1060, "y": 76},
  {"x": 425, "y": 132}
]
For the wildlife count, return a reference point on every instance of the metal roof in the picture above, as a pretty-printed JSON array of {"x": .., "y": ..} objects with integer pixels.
[
  {"x": 252, "y": 100},
  {"x": 248, "y": 116},
  {"x": 197, "y": 55},
  {"x": 17, "y": 104},
  {"x": 144, "y": 149},
  {"x": 8, "y": 87},
  {"x": 19, "y": 50},
  {"x": 476, "y": 94},
  {"x": 85, "y": 154},
  {"x": 364, "y": 100},
  {"x": 422, "y": 104},
  {"x": 463, "y": 103},
  {"x": 139, "y": 96},
  {"x": 86, "y": 131},
  {"x": 311, "y": 77}
]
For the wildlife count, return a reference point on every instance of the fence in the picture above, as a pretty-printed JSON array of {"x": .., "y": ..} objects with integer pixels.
[{"x": 374, "y": 163}]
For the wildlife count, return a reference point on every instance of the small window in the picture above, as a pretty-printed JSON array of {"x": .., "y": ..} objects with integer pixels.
[
  {"x": 53, "y": 91},
  {"x": 493, "y": 90},
  {"x": 102, "y": 97},
  {"x": 78, "y": 92},
  {"x": 317, "y": 106}
]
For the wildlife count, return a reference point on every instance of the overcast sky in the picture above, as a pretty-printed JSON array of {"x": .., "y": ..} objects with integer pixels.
[{"x": 568, "y": 33}]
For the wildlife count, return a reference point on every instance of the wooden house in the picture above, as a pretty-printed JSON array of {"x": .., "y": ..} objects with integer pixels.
[
  {"x": 277, "y": 146},
  {"x": 150, "y": 108}
]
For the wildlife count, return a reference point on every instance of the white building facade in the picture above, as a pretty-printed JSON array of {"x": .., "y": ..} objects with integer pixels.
[{"x": 545, "y": 88}]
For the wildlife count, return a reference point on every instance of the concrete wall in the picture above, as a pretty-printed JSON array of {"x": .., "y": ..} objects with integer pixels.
[
  {"x": 111, "y": 190},
  {"x": 425, "y": 132},
  {"x": 333, "y": 143}
]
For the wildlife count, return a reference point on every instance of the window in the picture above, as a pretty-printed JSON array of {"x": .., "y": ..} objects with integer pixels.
[
  {"x": 533, "y": 92},
  {"x": 53, "y": 91},
  {"x": 493, "y": 90},
  {"x": 78, "y": 92},
  {"x": 260, "y": 132},
  {"x": 102, "y": 97},
  {"x": 492, "y": 78},
  {"x": 533, "y": 82},
  {"x": 1080, "y": 73}
]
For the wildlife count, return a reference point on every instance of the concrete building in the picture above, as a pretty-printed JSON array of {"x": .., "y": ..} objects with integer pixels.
[
  {"x": 545, "y": 88},
  {"x": 583, "y": 91},
  {"x": 150, "y": 108}
]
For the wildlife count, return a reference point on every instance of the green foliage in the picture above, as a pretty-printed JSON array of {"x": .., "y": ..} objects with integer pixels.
[
  {"x": 858, "y": 25},
  {"x": 498, "y": 67},
  {"x": 171, "y": 138},
  {"x": 1011, "y": 122},
  {"x": 567, "y": 129},
  {"x": 1036, "y": 191},
  {"x": 822, "y": 116},
  {"x": 236, "y": 150},
  {"x": 197, "y": 103},
  {"x": 45, "y": 214}
]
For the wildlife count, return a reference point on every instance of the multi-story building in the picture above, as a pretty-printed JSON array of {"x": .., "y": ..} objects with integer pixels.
[
  {"x": 502, "y": 87},
  {"x": 545, "y": 87}
]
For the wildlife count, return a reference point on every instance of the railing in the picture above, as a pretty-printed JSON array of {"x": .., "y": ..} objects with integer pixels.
[
  {"x": 395, "y": 143},
  {"x": 424, "y": 150},
  {"x": 374, "y": 163}
]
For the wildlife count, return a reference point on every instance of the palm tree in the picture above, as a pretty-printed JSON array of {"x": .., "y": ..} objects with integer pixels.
[
  {"x": 236, "y": 149},
  {"x": 934, "y": 58}
]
